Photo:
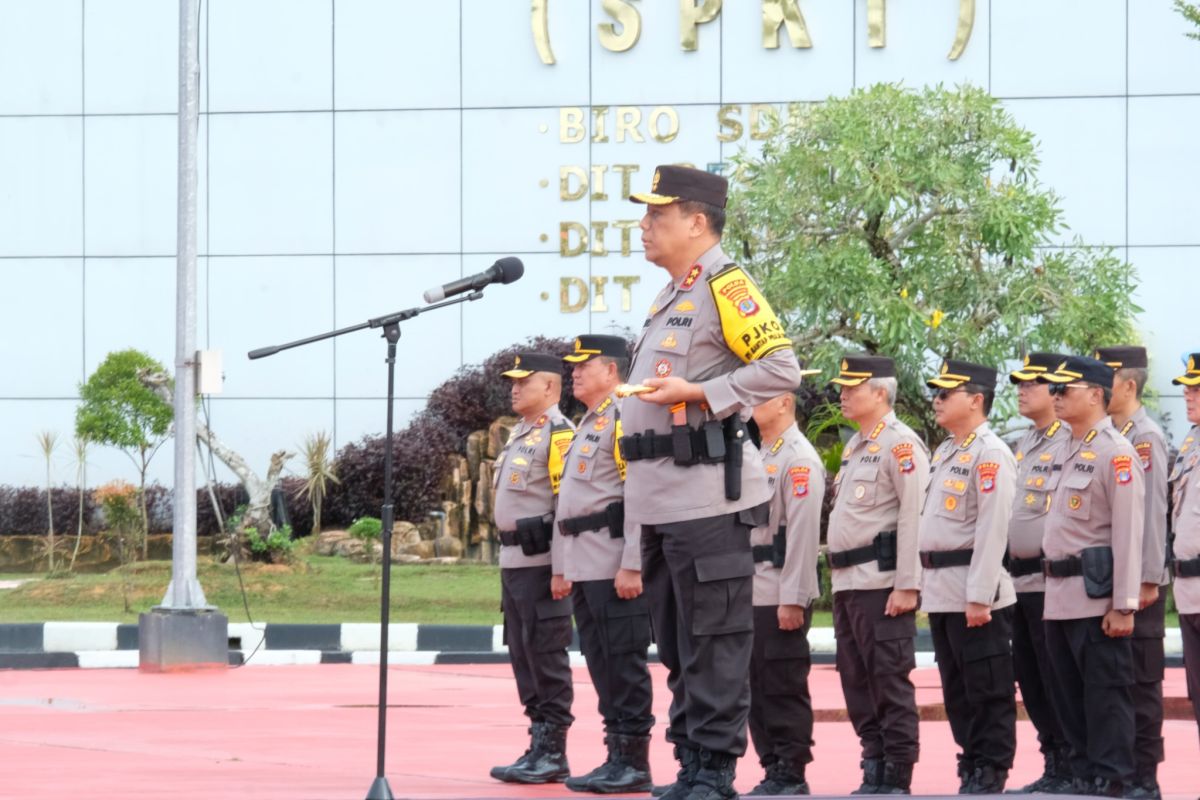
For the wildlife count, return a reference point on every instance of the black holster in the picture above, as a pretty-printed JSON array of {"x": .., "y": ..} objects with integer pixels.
[
  {"x": 734, "y": 434},
  {"x": 1096, "y": 564},
  {"x": 885, "y": 550},
  {"x": 534, "y": 534}
]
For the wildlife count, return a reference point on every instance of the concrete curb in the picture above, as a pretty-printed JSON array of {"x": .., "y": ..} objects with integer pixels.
[{"x": 107, "y": 645}]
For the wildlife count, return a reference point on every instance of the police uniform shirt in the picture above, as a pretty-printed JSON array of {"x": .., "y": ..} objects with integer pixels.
[
  {"x": 968, "y": 507},
  {"x": 1098, "y": 503},
  {"x": 525, "y": 485},
  {"x": 1185, "y": 483},
  {"x": 1039, "y": 467},
  {"x": 797, "y": 482},
  {"x": 737, "y": 351},
  {"x": 880, "y": 487},
  {"x": 593, "y": 477},
  {"x": 1151, "y": 445}
]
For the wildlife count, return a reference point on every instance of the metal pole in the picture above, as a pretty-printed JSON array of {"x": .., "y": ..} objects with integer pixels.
[{"x": 184, "y": 592}]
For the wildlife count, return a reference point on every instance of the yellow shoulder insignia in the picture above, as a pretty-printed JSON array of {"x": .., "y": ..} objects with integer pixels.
[
  {"x": 617, "y": 457},
  {"x": 967, "y": 442},
  {"x": 1090, "y": 435},
  {"x": 1054, "y": 428},
  {"x": 749, "y": 325},
  {"x": 560, "y": 441},
  {"x": 1126, "y": 428},
  {"x": 600, "y": 409},
  {"x": 878, "y": 430},
  {"x": 778, "y": 444}
]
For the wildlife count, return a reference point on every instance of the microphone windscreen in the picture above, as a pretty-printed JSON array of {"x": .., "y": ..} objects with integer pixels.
[
  {"x": 511, "y": 269},
  {"x": 435, "y": 295}
]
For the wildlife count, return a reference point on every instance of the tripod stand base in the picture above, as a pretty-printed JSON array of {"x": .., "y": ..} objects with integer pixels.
[{"x": 380, "y": 790}]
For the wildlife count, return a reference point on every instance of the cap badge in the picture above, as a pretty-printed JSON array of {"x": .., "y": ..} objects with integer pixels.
[{"x": 654, "y": 183}]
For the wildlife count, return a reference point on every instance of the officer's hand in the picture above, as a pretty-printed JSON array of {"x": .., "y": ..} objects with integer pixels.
[
  {"x": 978, "y": 614},
  {"x": 1116, "y": 624},
  {"x": 560, "y": 587},
  {"x": 668, "y": 391},
  {"x": 628, "y": 583},
  {"x": 901, "y": 601},
  {"x": 791, "y": 618},
  {"x": 1147, "y": 595}
]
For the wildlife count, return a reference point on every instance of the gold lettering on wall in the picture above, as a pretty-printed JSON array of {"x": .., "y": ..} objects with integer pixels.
[
  {"x": 672, "y": 124},
  {"x": 877, "y": 23},
  {"x": 628, "y": 120},
  {"x": 570, "y": 125},
  {"x": 625, "y": 226},
  {"x": 630, "y": 20},
  {"x": 565, "y": 303},
  {"x": 729, "y": 128},
  {"x": 598, "y": 283},
  {"x": 626, "y": 282},
  {"x": 778, "y": 12},
  {"x": 565, "y": 248},
  {"x": 691, "y": 17},
  {"x": 565, "y": 192},
  {"x": 966, "y": 23},
  {"x": 625, "y": 170},
  {"x": 541, "y": 31}
]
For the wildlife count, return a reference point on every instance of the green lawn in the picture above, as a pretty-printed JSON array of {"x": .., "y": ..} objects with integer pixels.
[{"x": 316, "y": 589}]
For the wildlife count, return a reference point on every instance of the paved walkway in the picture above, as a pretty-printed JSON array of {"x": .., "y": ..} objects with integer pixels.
[{"x": 302, "y": 732}]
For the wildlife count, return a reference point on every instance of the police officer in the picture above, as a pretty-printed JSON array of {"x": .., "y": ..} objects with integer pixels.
[
  {"x": 1130, "y": 418},
  {"x": 876, "y": 571},
  {"x": 537, "y": 627},
  {"x": 711, "y": 349},
  {"x": 600, "y": 570},
  {"x": 1093, "y": 568},
  {"x": 1185, "y": 482},
  {"x": 964, "y": 587},
  {"x": 785, "y": 586},
  {"x": 1038, "y": 471}
]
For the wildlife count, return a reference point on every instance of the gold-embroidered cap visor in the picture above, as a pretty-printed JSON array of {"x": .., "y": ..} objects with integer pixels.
[
  {"x": 653, "y": 199},
  {"x": 947, "y": 380}
]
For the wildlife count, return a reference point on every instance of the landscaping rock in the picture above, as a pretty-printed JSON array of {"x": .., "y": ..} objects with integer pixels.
[
  {"x": 476, "y": 452},
  {"x": 498, "y": 433}
]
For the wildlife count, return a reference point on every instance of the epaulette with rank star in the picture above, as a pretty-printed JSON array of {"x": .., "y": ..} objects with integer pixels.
[
  {"x": 1054, "y": 428},
  {"x": 878, "y": 430},
  {"x": 967, "y": 442},
  {"x": 778, "y": 444},
  {"x": 600, "y": 409},
  {"x": 692, "y": 276}
]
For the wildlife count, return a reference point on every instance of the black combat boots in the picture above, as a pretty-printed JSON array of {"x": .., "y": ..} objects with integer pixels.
[
  {"x": 626, "y": 770},
  {"x": 872, "y": 776},
  {"x": 548, "y": 761},
  {"x": 689, "y": 764},
  {"x": 782, "y": 780},
  {"x": 897, "y": 778},
  {"x": 985, "y": 779},
  {"x": 1055, "y": 779},
  {"x": 501, "y": 773},
  {"x": 714, "y": 779}
]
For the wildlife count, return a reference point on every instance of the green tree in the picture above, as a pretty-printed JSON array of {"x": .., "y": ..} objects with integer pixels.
[
  {"x": 118, "y": 410},
  {"x": 912, "y": 224},
  {"x": 1191, "y": 12}
]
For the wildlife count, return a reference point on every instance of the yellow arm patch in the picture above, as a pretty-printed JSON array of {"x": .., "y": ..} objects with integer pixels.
[
  {"x": 617, "y": 457},
  {"x": 560, "y": 442},
  {"x": 750, "y": 327}
]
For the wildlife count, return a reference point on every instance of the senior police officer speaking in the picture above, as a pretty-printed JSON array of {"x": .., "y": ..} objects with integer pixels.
[
  {"x": 877, "y": 572},
  {"x": 600, "y": 569},
  {"x": 537, "y": 627},
  {"x": 1093, "y": 568},
  {"x": 1185, "y": 562},
  {"x": 711, "y": 348}
]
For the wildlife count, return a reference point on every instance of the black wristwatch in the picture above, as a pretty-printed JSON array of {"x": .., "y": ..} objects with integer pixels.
[{"x": 1125, "y": 612}]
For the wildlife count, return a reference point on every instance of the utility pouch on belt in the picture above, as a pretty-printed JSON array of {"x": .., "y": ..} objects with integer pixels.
[
  {"x": 779, "y": 547},
  {"x": 616, "y": 520},
  {"x": 714, "y": 440},
  {"x": 533, "y": 535},
  {"x": 1097, "y": 566},
  {"x": 885, "y": 550}
]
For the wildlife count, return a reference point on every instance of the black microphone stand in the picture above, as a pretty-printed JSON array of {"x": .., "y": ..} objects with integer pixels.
[{"x": 380, "y": 790}]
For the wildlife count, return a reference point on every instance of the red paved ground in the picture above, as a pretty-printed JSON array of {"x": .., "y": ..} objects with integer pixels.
[{"x": 309, "y": 732}]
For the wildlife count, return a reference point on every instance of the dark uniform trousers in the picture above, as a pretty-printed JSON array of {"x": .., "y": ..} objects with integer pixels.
[
  {"x": 537, "y": 630},
  {"x": 781, "y": 713},
  {"x": 1189, "y": 625},
  {"x": 1093, "y": 679},
  {"x": 698, "y": 577},
  {"x": 977, "y": 682},
  {"x": 1148, "y": 665},
  {"x": 1032, "y": 666},
  {"x": 875, "y": 654},
  {"x": 613, "y": 636}
]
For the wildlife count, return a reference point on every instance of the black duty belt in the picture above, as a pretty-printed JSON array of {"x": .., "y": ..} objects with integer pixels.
[
  {"x": 776, "y": 552},
  {"x": 706, "y": 444},
  {"x": 1067, "y": 567},
  {"x": 936, "y": 559},
  {"x": 612, "y": 517},
  {"x": 1187, "y": 567},
  {"x": 1019, "y": 567},
  {"x": 507, "y": 538},
  {"x": 841, "y": 559}
]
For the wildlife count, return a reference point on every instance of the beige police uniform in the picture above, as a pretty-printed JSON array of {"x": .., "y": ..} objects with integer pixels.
[
  {"x": 785, "y": 554},
  {"x": 711, "y": 327},
  {"x": 1098, "y": 503},
  {"x": 537, "y": 627},
  {"x": 1185, "y": 483},
  {"x": 965, "y": 521}
]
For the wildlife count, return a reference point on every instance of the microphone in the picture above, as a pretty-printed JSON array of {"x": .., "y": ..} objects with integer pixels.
[{"x": 506, "y": 270}]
